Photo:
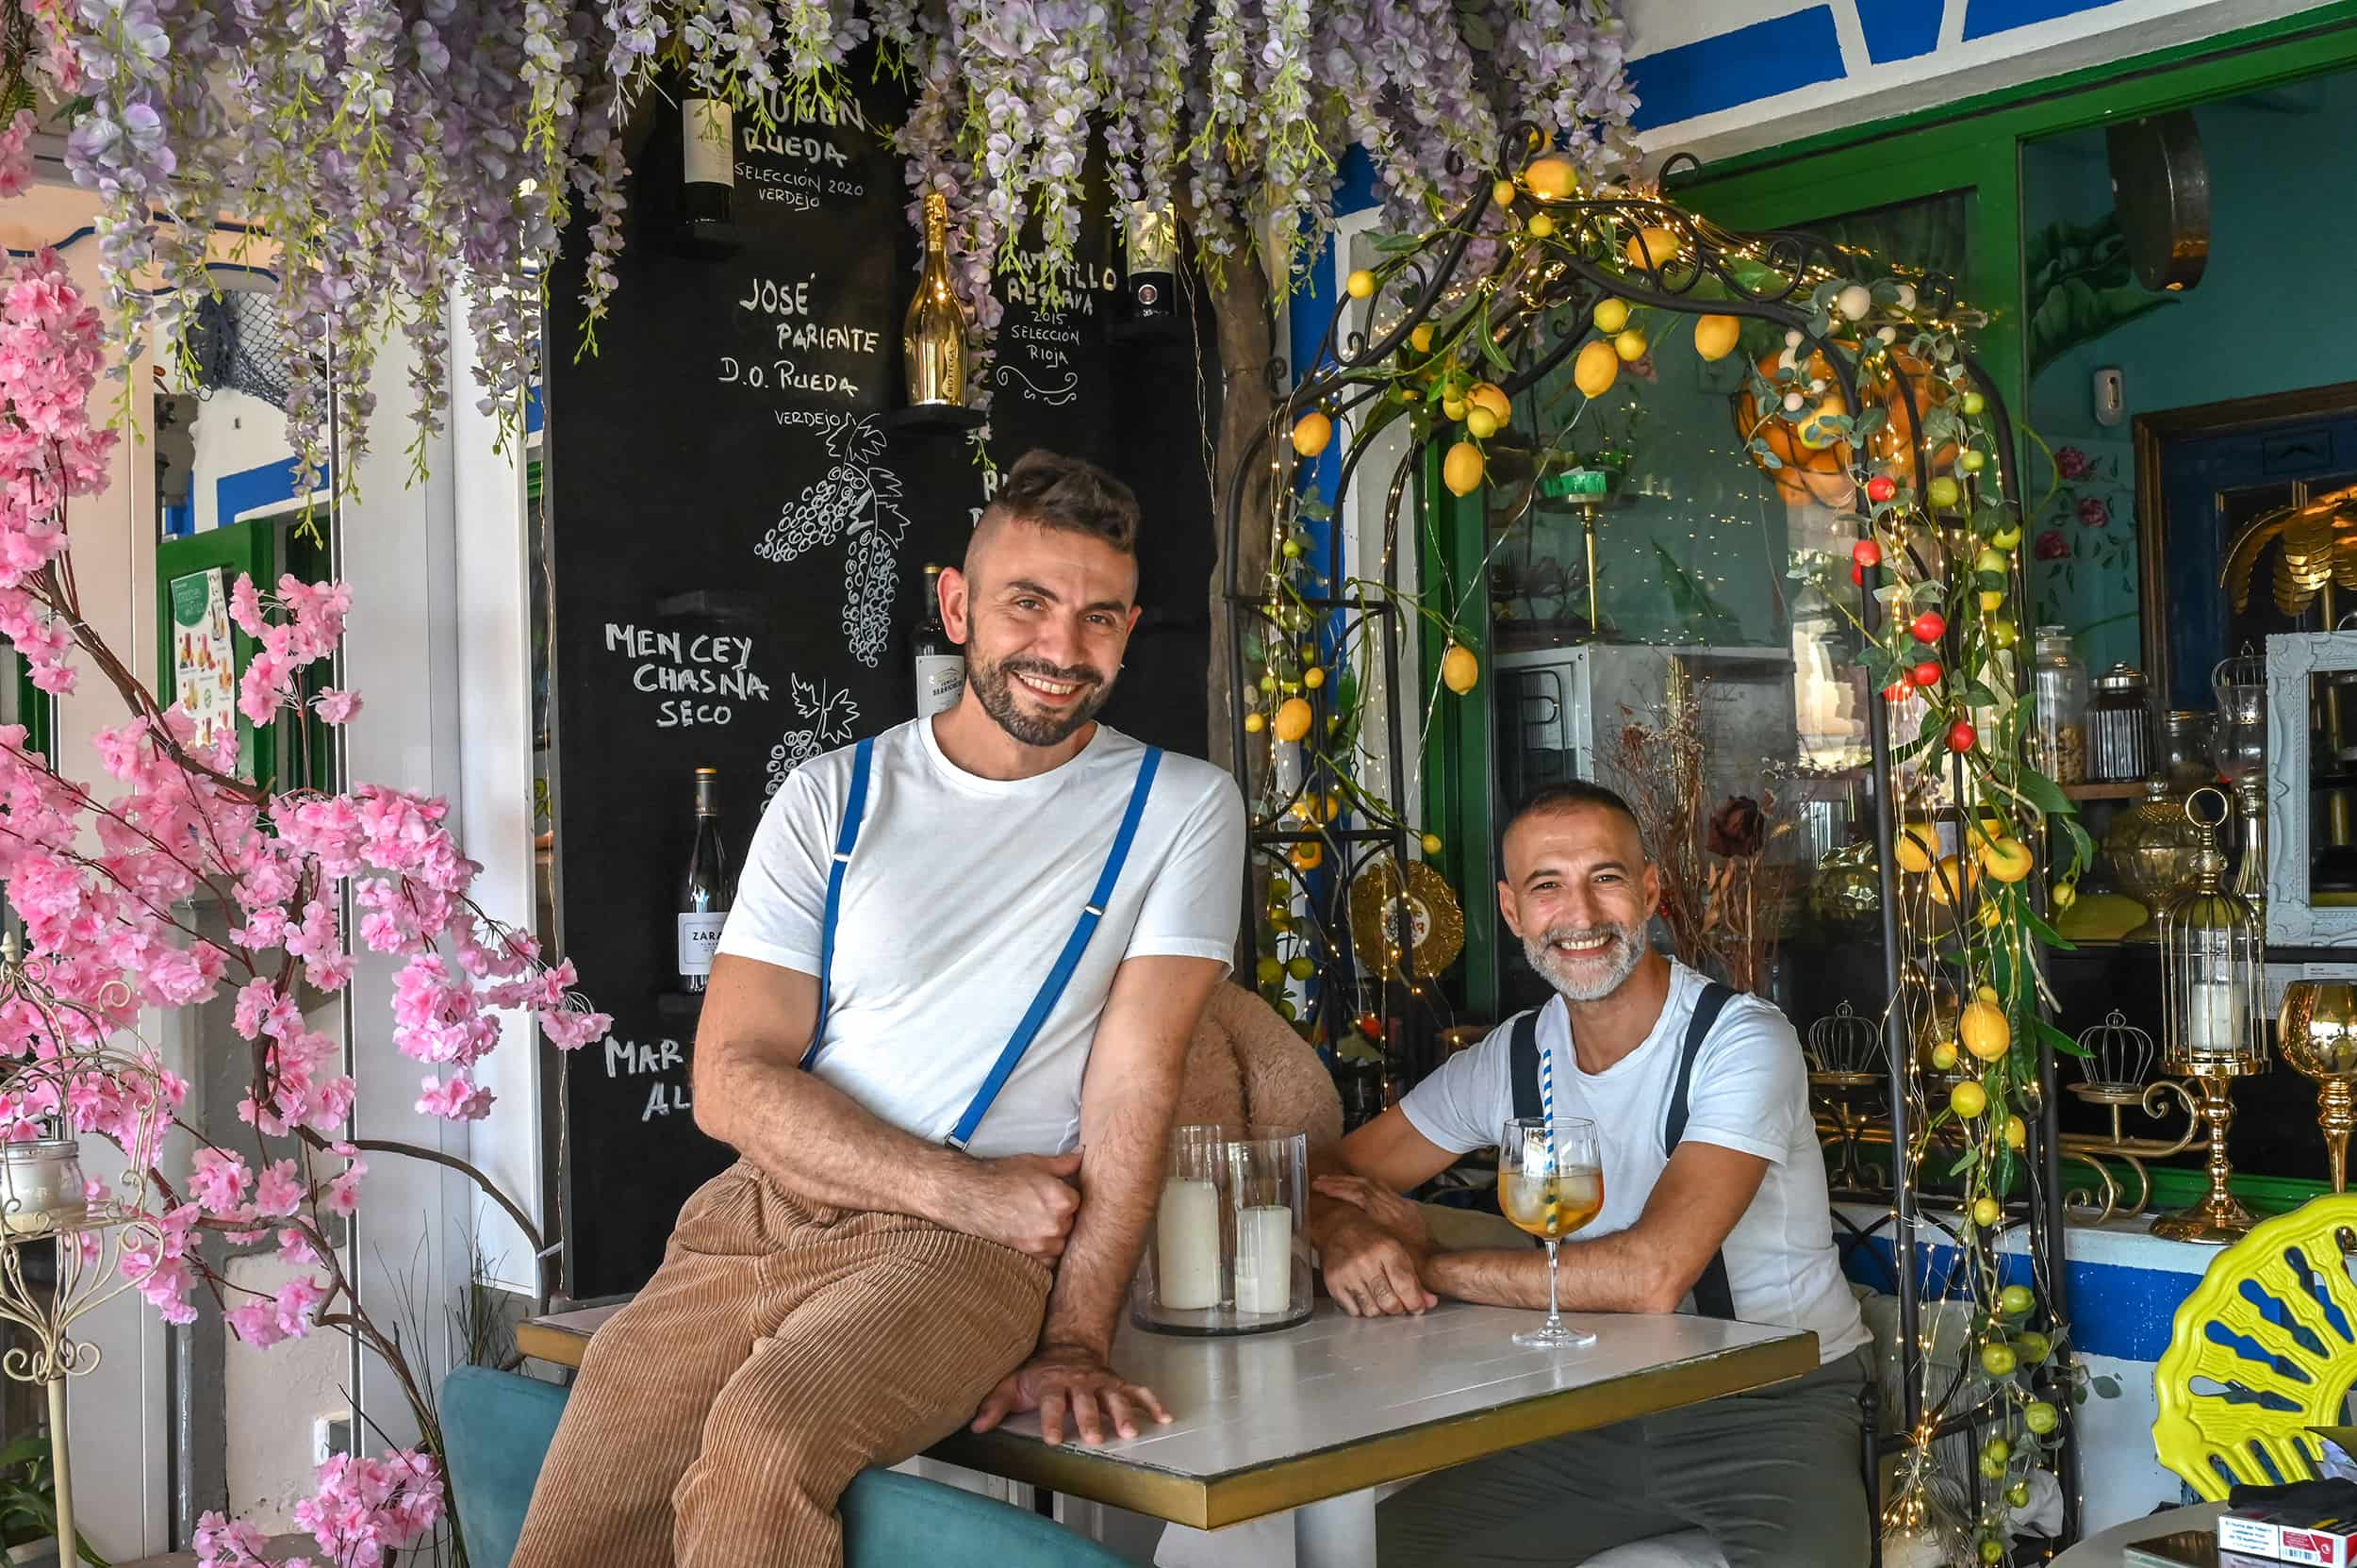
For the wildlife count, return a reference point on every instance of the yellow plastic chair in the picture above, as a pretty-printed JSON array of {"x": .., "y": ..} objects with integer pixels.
[{"x": 2265, "y": 1347}]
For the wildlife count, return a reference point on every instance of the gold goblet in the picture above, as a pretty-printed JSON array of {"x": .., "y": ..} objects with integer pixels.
[{"x": 2316, "y": 1032}]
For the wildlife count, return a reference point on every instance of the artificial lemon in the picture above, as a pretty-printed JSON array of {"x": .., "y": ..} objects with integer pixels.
[
  {"x": 1306, "y": 856},
  {"x": 1952, "y": 879},
  {"x": 1503, "y": 193},
  {"x": 1300, "y": 969},
  {"x": 1971, "y": 462},
  {"x": 1541, "y": 225},
  {"x": 2016, "y": 1132},
  {"x": 1269, "y": 970},
  {"x": 2033, "y": 1347},
  {"x": 1817, "y": 431},
  {"x": 1359, "y": 284},
  {"x": 1967, "y": 1099},
  {"x": 1630, "y": 346},
  {"x": 1986, "y": 1212},
  {"x": 1992, "y": 599},
  {"x": 1460, "y": 471},
  {"x": 1715, "y": 335},
  {"x": 1916, "y": 846},
  {"x": 1974, "y": 402},
  {"x": 1943, "y": 492},
  {"x": 1992, "y": 559},
  {"x": 1551, "y": 178},
  {"x": 1453, "y": 407},
  {"x": 2005, "y": 859},
  {"x": 1943, "y": 1056},
  {"x": 1596, "y": 367},
  {"x": 1421, "y": 339},
  {"x": 1653, "y": 247},
  {"x": 1254, "y": 723},
  {"x": 2065, "y": 893},
  {"x": 2016, "y": 1300},
  {"x": 1460, "y": 669},
  {"x": 1489, "y": 395},
  {"x": 1292, "y": 719},
  {"x": 1611, "y": 315},
  {"x": 1997, "y": 1360},
  {"x": 2005, "y": 634},
  {"x": 1311, "y": 431},
  {"x": 2007, "y": 537},
  {"x": 2040, "y": 1417},
  {"x": 1480, "y": 423},
  {"x": 1313, "y": 677},
  {"x": 1984, "y": 1031},
  {"x": 1432, "y": 843}
]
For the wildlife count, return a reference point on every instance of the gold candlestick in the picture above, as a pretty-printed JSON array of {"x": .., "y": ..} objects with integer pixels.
[
  {"x": 2213, "y": 1032},
  {"x": 2316, "y": 1032}
]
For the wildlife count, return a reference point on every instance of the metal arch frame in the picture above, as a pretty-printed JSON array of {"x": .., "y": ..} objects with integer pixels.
[{"x": 1346, "y": 373}]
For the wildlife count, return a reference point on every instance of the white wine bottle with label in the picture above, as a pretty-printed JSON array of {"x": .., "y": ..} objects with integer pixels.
[
  {"x": 940, "y": 663},
  {"x": 708, "y": 172},
  {"x": 704, "y": 888}
]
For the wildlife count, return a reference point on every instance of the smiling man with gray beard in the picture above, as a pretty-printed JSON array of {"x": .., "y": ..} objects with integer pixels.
[{"x": 1714, "y": 1203}]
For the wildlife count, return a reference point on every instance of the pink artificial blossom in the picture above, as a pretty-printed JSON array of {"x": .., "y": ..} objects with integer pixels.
[
  {"x": 337, "y": 707},
  {"x": 218, "y": 1181},
  {"x": 16, "y": 156}
]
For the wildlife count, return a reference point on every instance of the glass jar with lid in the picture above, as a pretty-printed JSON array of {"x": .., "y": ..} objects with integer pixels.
[
  {"x": 2059, "y": 683},
  {"x": 2150, "y": 849},
  {"x": 2119, "y": 727},
  {"x": 2186, "y": 751}
]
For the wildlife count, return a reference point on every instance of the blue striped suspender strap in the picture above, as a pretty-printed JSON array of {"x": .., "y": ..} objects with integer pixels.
[
  {"x": 862, "y": 756},
  {"x": 1052, "y": 989}
]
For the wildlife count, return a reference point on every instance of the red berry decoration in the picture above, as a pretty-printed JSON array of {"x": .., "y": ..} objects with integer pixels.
[
  {"x": 1926, "y": 673},
  {"x": 1930, "y": 626},
  {"x": 1961, "y": 735},
  {"x": 1858, "y": 577},
  {"x": 1370, "y": 1026},
  {"x": 1866, "y": 552},
  {"x": 1880, "y": 488},
  {"x": 1898, "y": 692}
]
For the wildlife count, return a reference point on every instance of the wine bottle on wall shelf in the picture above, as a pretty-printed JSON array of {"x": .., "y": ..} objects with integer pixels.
[
  {"x": 933, "y": 338},
  {"x": 1150, "y": 251},
  {"x": 940, "y": 663},
  {"x": 708, "y": 169},
  {"x": 705, "y": 888}
]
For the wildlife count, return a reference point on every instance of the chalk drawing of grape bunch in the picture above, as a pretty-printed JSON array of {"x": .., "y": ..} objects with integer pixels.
[
  {"x": 830, "y": 715},
  {"x": 858, "y": 501}
]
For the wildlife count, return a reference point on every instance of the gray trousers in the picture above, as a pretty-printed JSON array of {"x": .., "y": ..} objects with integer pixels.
[{"x": 1772, "y": 1475}]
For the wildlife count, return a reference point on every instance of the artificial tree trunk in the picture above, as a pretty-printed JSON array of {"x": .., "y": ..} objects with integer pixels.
[{"x": 1243, "y": 328}]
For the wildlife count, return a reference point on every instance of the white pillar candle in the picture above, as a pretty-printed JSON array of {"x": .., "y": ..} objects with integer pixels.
[
  {"x": 1265, "y": 1257},
  {"x": 1186, "y": 1241},
  {"x": 2214, "y": 1026}
]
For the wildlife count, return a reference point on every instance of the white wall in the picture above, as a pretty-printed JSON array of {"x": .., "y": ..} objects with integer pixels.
[{"x": 1860, "y": 88}]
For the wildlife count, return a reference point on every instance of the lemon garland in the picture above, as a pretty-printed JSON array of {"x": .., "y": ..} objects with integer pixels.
[{"x": 1917, "y": 471}]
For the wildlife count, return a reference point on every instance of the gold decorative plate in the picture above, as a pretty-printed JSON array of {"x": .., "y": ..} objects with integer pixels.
[{"x": 1435, "y": 920}]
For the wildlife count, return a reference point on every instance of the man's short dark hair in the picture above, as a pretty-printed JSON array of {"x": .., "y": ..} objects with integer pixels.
[
  {"x": 1069, "y": 493},
  {"x": 1570, "y": 795}
]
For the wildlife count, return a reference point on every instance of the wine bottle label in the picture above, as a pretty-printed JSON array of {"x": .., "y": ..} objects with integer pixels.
[
  {"x": 699, "y": 935},
  {"x": 940, "y": 682},
  {"x": 710, "y": 157}
]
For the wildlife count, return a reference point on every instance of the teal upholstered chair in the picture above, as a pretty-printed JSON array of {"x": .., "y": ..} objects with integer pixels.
[{"x": 496, "y": 1427}]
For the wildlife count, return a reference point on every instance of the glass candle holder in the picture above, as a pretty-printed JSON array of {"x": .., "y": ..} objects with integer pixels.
[
  {"x": 40, "y": 1185},
  {"x": 1230, "y": 1250}
]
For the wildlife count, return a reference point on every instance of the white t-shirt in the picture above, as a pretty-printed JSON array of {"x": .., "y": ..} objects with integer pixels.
[
  {"x": 1750, "y": 1093},
  {"x": 960, "y": 896}
]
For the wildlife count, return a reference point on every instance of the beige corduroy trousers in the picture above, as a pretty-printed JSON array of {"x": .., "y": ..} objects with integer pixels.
[{"x": 781, "y": 1349}]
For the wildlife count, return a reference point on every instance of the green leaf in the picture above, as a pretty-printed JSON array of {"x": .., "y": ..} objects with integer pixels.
[
  {"x": 2045, "y": 794},
  {"x": 1871, "y": 420},
  {"x": 2106, "y": 1386},
  {"x": 1978, "y": 696},
  {"x": 1476, "y": 31},
  {"x": 1490, "y": 349},
  {"x": 1394, "y": 244},
  {"x": 2056, "y": 1040}
]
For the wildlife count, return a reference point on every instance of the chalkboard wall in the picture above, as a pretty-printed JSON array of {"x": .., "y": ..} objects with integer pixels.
[{"x": 736, "y": 530}]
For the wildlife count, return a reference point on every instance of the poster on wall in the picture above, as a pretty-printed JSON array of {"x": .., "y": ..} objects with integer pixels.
[{"x": 204, "y": 669}]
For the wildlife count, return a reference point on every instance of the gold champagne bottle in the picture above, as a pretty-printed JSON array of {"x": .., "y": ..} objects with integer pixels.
[{"x": 932, "y": 339}]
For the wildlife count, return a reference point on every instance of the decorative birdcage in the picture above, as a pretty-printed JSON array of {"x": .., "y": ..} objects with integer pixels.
[
  {"x": 2213, "y": 1030},
  {"x": 2116, "y": 1063}
]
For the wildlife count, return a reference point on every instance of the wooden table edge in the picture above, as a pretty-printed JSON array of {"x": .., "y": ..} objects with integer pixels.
[
  {"x": 541, "y": 1341},
  {"x": 1208, "y": 1502}
]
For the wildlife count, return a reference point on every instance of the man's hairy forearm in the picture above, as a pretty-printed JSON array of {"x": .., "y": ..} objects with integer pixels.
[
  {"x": 1611, "y": 1273},
  {"x": 1121, "y": 1147},
  {"x": 814, "y": 1140}
]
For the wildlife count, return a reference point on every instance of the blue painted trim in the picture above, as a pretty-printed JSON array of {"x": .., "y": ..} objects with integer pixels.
[
  {"x": 1898, "y": 29},
  {"x": 261, "y": 486},
  {"x": 1984, "y": 17},
  {"x": 533, "y": 417},
  {"x": 2115, "y": 1311},
  {"x": 1740, "y": 67}
]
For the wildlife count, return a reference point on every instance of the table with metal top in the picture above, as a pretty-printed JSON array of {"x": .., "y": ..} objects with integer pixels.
[{"x": 1313, "y": 1418}]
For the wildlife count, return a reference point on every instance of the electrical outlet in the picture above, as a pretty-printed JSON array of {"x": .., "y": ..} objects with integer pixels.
[{"x": 330, "y": 1435}]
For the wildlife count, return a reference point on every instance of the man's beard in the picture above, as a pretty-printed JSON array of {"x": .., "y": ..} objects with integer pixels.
[
  {"x": 1588, "y": 979},
  {"x": 993, "y": 685}
]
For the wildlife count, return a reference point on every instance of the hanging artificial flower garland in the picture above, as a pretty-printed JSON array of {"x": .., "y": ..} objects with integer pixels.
[
  {"x": 386, "y": 154},
  {"x": 1860, "y": 396}
]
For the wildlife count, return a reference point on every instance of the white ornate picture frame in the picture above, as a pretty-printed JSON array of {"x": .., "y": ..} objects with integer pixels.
[{"x": 2292, "y": 658}]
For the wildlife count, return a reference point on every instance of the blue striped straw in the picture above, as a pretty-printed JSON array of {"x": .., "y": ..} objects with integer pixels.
[{"x": 1546, "y": 1109}]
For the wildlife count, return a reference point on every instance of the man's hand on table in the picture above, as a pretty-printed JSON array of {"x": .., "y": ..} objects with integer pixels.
[
  {"x": 1373, "y": 1260},
  {"x": 1024, "y": 1201},
  {"x": 1066, "y": 1379}
]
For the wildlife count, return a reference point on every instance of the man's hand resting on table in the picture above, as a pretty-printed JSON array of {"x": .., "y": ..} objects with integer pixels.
[
  {"x": 1373, "y": 1260},
  {"x": 1024, "y": 1201},
  {"x": 1061, "y": 1381}
]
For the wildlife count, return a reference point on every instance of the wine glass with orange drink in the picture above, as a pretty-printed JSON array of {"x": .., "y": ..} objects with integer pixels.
[{"x": 1550, "y": 1184}]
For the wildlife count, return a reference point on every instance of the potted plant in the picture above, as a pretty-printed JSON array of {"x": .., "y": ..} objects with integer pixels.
[{"x": 28, "y": 1505}]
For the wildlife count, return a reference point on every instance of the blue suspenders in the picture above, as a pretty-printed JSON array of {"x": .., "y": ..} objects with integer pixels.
[{"x": 1051, "y": 990}]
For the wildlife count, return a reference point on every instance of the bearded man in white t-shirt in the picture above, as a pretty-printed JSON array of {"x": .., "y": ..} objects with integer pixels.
[
  {"x": 1714, "y": 1200},
  {"x": 943, "y": 1029}
]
